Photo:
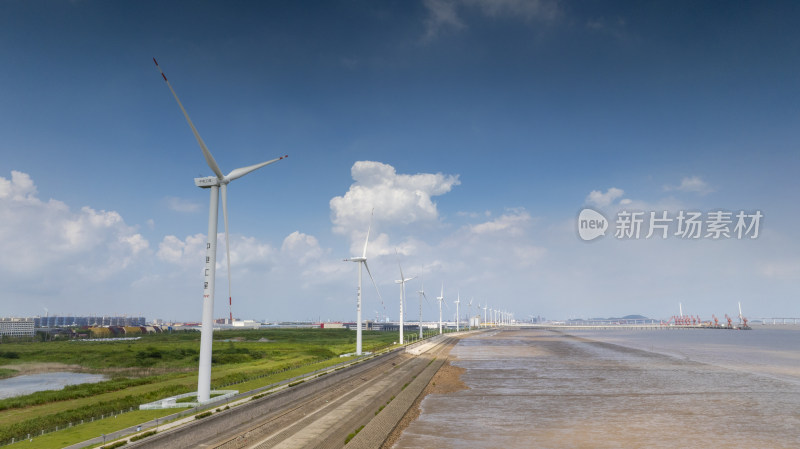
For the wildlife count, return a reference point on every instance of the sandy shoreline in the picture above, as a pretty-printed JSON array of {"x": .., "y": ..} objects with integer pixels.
[{"x": 446, "y": 380}]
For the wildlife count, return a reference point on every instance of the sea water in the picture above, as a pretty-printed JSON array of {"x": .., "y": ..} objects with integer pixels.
[{"x": 619, "y": 389}]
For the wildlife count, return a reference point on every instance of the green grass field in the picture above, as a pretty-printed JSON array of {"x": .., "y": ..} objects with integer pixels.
[{"x": 157, "y": 366}]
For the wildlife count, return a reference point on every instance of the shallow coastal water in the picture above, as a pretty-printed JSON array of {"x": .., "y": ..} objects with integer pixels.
[
  {"x": 536, "y": 388},
  {"x": 31, "y": 383}
]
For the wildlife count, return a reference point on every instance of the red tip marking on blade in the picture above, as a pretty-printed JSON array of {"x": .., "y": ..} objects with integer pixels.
[
  {"x": 154, "y": 60},
  {"x": 286, "y": 155},
  {"x": 164, "y": 76}
]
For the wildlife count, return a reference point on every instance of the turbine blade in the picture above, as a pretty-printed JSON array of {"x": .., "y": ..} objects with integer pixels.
[
  {"x": 366, "y": 241},
  {"x": 400, "y": 266},
  {"x": 224, "y": 192},
  {"x": 239, "y": 172},
  {"x": 373, "y": 283},
  {"x": 207, "y": 154}
]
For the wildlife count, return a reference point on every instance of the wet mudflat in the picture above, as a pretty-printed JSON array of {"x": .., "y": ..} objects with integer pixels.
[{"x": 536, "y": 388}]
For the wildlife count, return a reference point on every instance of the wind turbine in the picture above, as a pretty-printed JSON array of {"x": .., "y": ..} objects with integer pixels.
[
  {"x": 402, "y": 283},
  {"x": 469, "y": 320},
  {"x": 362, "y": 260},
  {"x": 485, "y": 306},
  {"x": 441, "y": 300},
  {"x": 458, "y": 318},
  {"x": 216, "y": 183},
  {"x": 421, "y": 293}
]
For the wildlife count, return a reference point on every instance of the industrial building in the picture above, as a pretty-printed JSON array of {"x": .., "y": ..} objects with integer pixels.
[
  {"x": 16, "y": 327},
  {"x": 66, "y": 321}
]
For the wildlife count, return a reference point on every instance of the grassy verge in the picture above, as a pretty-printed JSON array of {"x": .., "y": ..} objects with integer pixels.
[
  {"x": 88, "y": 431},
  {"x": 158, "y": 366}
]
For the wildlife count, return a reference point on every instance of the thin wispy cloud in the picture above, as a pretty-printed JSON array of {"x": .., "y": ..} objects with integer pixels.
[
  {"x": 600, "y": 199},
  {"x": 444, "y": 16},
  {"x": 690, "y": 184},
  {"x": 181, "y": 205}
]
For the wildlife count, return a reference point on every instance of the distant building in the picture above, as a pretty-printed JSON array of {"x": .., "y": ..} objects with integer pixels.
[
  {"x": 246, "y": 323},
  {"x": 65, "y": 321},
  {"x": 16, "y": 327}
]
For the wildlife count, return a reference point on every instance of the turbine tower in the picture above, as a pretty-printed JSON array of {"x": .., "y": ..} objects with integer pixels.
[
  {"x": 402, "y": 283},
  {"x": 362, "y": 260},
  {"x": 218, "y": 184}
]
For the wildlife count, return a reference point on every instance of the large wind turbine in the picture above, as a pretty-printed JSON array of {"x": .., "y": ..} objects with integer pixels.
[
  {"x": 362, "y": 261},
  {"x": 402, "y": 283},
  {"x": 216, "y": 183}
]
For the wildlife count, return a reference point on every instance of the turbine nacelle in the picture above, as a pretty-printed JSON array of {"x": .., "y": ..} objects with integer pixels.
[
  {"x": 211, "y": 181},
  {"x": 207, "y": 182}
]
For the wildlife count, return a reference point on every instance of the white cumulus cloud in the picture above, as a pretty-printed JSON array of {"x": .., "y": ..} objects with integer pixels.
[
  {"x": 396, "y": 198},
  {"x": 48, "y": 239}
]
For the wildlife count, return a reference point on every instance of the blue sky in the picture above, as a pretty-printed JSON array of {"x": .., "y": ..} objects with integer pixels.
[{"x": 477, "y": 129}]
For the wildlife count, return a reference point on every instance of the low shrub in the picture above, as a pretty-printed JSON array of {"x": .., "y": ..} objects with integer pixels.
[{"x": 142, "y": 436}]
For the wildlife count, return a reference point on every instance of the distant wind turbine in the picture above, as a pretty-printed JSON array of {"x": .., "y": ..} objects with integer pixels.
[
  {"x": 421, "y": 293},
  {"x": 458, "y": 318},
  {"x": 362, "y": 261},
  {"x": 469, "y": 319},
  {"x": 216, "y": 183},
  {"x": 441, "y": 300},
  {"x": 402, "y": 283}
]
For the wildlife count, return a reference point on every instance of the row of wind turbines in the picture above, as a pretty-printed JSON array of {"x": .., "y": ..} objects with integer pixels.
[
  {"x": 499, "y": 316},
  {"x": 218, "y": 186}
]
